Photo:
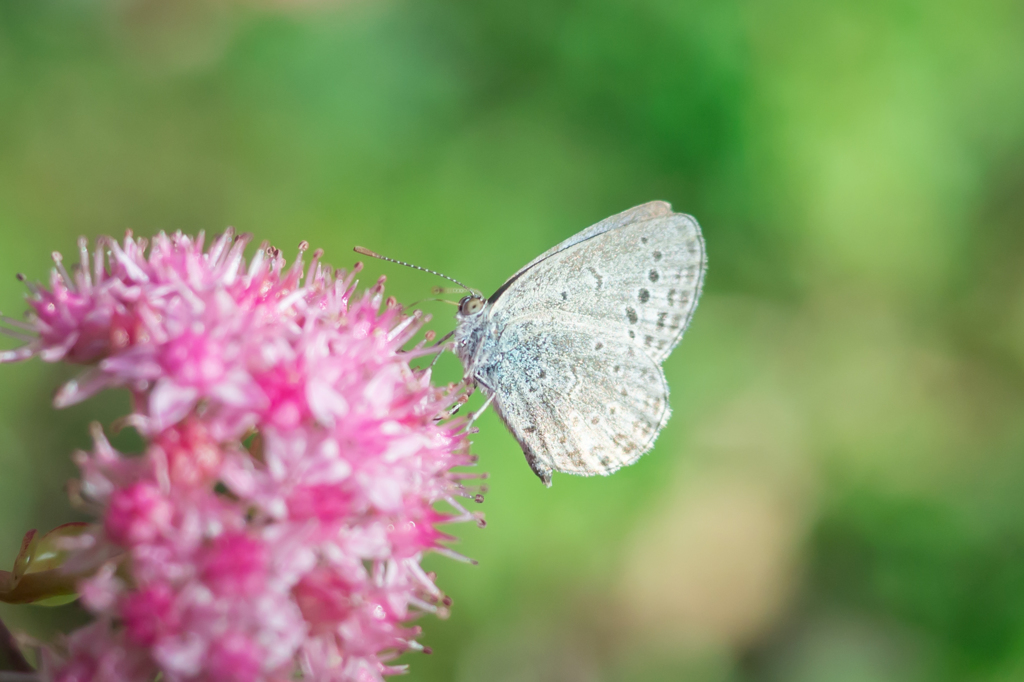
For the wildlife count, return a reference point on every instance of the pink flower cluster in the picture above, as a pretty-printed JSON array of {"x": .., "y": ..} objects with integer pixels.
[{"x": 273, "y": 527}]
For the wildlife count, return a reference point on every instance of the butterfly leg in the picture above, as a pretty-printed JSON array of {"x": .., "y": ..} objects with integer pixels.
[
  {"x": 440, "y": 345},
  {"x": 454, "y": 410},
  {"x": 473, "y": 416}
]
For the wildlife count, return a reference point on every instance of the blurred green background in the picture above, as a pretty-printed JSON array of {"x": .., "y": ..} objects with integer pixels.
[{"x": 840, "y": 493}]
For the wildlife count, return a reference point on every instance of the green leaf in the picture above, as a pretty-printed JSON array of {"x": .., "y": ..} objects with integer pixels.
[{"x": 38, "y": 576}]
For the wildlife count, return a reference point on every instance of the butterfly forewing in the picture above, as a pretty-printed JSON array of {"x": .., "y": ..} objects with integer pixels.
[
  {"x": 651, "y": 209},
  {"x": 638, "y": 278}
]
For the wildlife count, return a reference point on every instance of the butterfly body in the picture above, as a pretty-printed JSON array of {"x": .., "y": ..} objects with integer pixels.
[{"x": 570, "y": 347}]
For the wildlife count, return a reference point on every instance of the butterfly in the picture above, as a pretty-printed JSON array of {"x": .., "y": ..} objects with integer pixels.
[{"x": 569, "y": 349}]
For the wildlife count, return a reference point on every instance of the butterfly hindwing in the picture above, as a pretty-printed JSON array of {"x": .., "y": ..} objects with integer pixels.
[{"x": 577, "y": 399}]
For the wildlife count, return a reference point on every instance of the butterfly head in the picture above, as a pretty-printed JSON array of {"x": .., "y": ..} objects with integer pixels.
[
  {"x": 471, "y": 306},
  {"x": 470, "y": 328}
]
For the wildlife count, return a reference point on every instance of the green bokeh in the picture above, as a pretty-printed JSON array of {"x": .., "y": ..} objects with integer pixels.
[{"x": 840, "y": 493}]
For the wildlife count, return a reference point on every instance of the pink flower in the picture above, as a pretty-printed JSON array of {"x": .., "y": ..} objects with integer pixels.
[
  {"x": 234, "y": 658},
  {"x": 275, "y": 522},
  {"x": 137, "y": 514},
  {"x": 148, "y": 614},
  {"x": 234, "y": 564}
]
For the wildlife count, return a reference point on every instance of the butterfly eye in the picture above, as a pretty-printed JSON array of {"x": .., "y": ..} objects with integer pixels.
[{"x": 470, "y": 305}]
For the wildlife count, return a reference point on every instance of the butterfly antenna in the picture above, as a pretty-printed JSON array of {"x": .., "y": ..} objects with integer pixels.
[{"x": 371, "y": 254}]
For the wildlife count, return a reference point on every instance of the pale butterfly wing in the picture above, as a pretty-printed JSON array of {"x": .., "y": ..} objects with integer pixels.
[
  {"x": 651, "y": 209},
  {"x": 582, "y": 330},
  {"x": 576, "y": 404},
  {"x": 637, "y": 274}
]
